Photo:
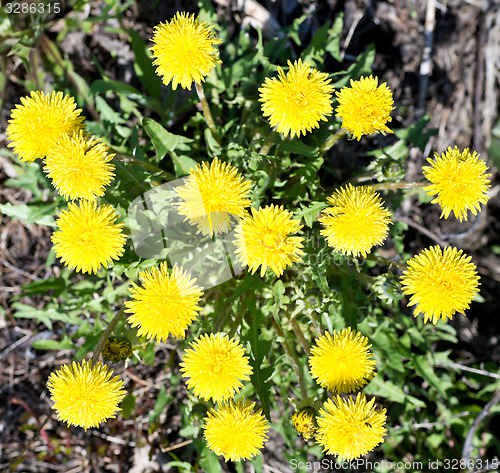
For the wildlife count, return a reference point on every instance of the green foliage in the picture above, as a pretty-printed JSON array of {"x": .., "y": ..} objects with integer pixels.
[{"x": 326, "y": 289}]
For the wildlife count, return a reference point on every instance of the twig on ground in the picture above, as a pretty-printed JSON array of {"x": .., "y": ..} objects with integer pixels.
[{"x": 467, "y": 449}]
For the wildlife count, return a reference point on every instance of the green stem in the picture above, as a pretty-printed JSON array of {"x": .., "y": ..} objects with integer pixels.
[
  {"x": 397, "y": 185},
  {"x": 300, "y": 336},
  {"x": 313, "y": 317},
  {"x": 105, "y": 335},
  {"x": 386, "y": 261},
  {"x": 331, "y": 141},
  {"x": 121, "y": 158},
  {"x": 293, "y": 357},
  {"x": 206, "y": 111},
  {"x": 268, "y": 143}
]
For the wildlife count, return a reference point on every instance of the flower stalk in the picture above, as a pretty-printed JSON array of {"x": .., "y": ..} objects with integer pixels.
[
  {"x": 105, "y": 335},
  {"x": 268, "y": 143},
  {"x": 331, "y": 141},
  {"x": 292, "y": 356},
  {"x": 206, "y": 111}
]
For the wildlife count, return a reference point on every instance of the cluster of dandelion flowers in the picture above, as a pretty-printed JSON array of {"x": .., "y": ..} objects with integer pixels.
[
  {"x": 356, "y": 221},
  {"x": 165, "y": 303},
  {"x": 350, "y": 429},
  {"x": 304, "y": 422},
  {"x": 215, "y": 367},
  {"x": 298, "y": 101},
  {"x": 79, "y": 166},
  {"x": 85, "y": 395},
  {"x": 40, "y": 121},
  {"x": 365, "y": 107},
  {"x": 440, "y": 282},
  {"x": 88, "y": 236},
  {"x": 460, "y": 181},
  {"x": 184, "y": 50},
  {"x": 235, "y": 431},
  {"x": 265, "y": 239},
  {"x": 212, "y": 195},
  {"x": 342, "y": 362}
]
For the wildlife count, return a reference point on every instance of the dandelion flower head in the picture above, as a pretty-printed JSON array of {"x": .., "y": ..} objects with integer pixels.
[
  {"x": 184, "y": 50},
  {"x": 87, "y": 237},
  {"x": 85, "y": 395},
  {"x": 350, "y": 429},
  {"x": 39, "y": 121},
  {"x": 459, "y": 180},
  {"x": 365, "y": 107},
  {"x": 342, "y": 362},
  {"x": 165, "y": 303},
  {"x": 440, "y": 282},
  {"x": 79, "y": 166},
  {"x": 212, "y": 195},
  {"x": 215, "y": 367},
  {"x": 356, "y": 221},
  {"x": 304, "y": 422},
  {"x": 236, "y": 431},
  {"x": 298, "y": 101},
  {"x": 265, "y": 239}
]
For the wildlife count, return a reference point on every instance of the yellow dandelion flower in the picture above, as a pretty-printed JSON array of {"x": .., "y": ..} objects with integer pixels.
[
  {"x": 212, "y": 195},
  {"x": 85, "y": 395},
  {"x": 165, "y": 304},
  {"x": 440, "y": 283},
  {"x": 184, "y": 50},
  {"x": 41, "y": 120},
  {"x": 356, "y": 220},
  {"x": 304, "y": 422},
  {"x": 236, "y": 431},
  {"x": 350, "y": 430},
  {"x": 79, "y": 166},
  {"x": 297, "y": 101},
  {"x": 264, "y": 239},
  {"x": 460, "y": 181},
  {"x": 342, "y": 363},
  {"x": 87, "y": 237},
  {"x": 365, "y": 107},
  {"x": 215, "y": 367}
]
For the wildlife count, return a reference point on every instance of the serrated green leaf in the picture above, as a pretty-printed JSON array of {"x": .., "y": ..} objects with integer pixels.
[
  {"x": 64, "y": 344},
  {"x": 391, "y": 392},
  {"x": 41, "y": 214},
  {"x": 424, "y": 369},
  {"x": 166, "y": 142},
  {"x": 183, "y": 164},
  {"x": 45, "y": 316},
  {"x": 310, "y": 212}
]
